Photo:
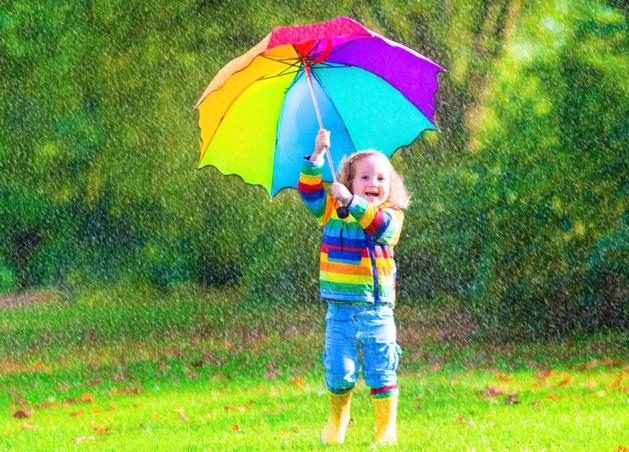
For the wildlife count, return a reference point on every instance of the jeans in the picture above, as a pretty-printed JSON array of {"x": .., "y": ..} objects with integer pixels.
[{"x": 351, "y": 328}]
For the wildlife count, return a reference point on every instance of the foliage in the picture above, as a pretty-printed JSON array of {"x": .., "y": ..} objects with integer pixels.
[
  {"x": 518, "y": 201},
  {"x": 543, "y": 188}
]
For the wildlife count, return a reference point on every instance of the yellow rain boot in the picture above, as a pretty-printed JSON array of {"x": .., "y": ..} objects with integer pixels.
[
  {"x": 385, "y": 410},
  {"x": 334, "y": 432}
]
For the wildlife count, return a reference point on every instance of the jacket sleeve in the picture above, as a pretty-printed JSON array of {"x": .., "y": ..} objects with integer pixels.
[
  {"x": 312, "y": 192},
  {"x": 382, "y": 224}
]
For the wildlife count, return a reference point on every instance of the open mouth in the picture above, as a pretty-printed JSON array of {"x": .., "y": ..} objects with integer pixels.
[{"x": 371, "y": 193}]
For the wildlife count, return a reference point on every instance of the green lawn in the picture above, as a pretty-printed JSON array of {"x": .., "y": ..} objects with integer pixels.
[{"x": 133, "y": 369}]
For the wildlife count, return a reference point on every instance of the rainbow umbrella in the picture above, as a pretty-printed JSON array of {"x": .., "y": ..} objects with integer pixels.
[{"x": 260, "y": 114}]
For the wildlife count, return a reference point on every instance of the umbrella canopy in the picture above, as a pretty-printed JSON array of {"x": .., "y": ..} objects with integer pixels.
[{"x": 257, "y": 116}]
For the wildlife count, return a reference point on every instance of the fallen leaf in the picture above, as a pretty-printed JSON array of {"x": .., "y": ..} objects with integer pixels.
[
  {"x": 491, "y": 391},
  {"x": 503, "y": 377},
  {"x": 22, "y": 414},
  {"x": 565, "y": 379},
  {"x": 86, "y": 398},
  {"x": 182, "y": 414},
  {"x": 235, "y": 427},
  {"x": 619, "y": 379},
  {"x": 45, "y": 405},
  {"x": 511, "y": 399},
  {"x": 27, "y": 426},
  {"x": 155, "y": 416},
  {"x": 271, "y": 373},
  {"x": 102, "y": 430},
  {"x": 540, "y": 384},
  {"x": 462, "y": 420},
  {"x": 120, "y": 377},
  {"x": 132, "y": 390},
  {"x": 112, "y": 407},
  {"x": 64, "y": 404},
  {"x": 77, "y": 413},
  {"x": 240, "y": 409},
  {"x": 84, "y": 439},
  {"x": 298, "y": 381},
  {"x": 553, "y": 397}
]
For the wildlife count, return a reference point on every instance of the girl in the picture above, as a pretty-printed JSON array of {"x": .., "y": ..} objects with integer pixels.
[{"x": 357, "y": 279}]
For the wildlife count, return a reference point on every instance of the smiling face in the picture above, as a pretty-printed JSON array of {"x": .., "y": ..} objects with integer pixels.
[{"x": 372, "y": 179}]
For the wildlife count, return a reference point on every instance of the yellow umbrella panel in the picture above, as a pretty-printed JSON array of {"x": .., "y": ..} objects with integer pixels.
[{"x": 239, "y": 115}]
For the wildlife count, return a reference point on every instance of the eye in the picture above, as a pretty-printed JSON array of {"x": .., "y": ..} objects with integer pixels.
[
  {"x": 381, "y": 178},
  {"x": 364, "y": 177}
]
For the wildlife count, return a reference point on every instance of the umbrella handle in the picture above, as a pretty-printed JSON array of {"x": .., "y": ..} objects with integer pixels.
[{"x": 342, "y": 211}]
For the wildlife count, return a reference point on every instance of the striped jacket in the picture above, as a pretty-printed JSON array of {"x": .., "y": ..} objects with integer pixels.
[{"x": 356, "y": 261}]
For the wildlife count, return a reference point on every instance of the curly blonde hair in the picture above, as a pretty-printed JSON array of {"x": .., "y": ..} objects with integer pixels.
[{"x": 398, "y": 194}]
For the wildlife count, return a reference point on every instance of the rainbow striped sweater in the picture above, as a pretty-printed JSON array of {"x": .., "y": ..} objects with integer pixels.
[{"x": 356, "y": 261}]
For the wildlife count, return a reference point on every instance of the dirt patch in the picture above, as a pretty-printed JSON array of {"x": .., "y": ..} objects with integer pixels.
[{"x": 14, "y": 300}]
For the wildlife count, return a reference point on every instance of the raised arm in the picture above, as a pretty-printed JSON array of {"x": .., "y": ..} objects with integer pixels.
[{"x": 310, "y": 183}]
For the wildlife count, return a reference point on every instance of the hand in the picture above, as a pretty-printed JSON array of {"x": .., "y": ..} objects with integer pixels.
[
  {"x": 341, "y": 193},
  {"x": 322, "y": 141}
]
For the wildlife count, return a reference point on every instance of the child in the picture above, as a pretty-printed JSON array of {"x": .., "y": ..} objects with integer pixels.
[{"x": 357, "y": 279}]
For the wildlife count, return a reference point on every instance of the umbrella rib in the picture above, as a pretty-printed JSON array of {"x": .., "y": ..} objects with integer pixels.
[
  {"x": 288, "y": 61},
  {"x": 294, "y": 66},
  {"x": 347, "y": 44},
  {"x": 277, "y": 126},
  {"x": 320, "y": 66},
  {"x": 336, "y": 109},
  {"x": 326, "y": 65},
  {"x": 281, "y": 74}
]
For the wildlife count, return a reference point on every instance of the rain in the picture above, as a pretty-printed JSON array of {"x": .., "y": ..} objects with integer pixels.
[{"x": 147, "y": 302}]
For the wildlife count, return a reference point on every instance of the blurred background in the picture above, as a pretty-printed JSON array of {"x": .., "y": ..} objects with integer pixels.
[{"x": 519, "y": 216}]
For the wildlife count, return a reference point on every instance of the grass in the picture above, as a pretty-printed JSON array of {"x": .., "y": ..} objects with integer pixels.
[{"x": 120, "y": 368}]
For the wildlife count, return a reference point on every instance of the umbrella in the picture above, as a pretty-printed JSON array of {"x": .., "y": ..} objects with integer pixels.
[{"x": 260, "y": 114}]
